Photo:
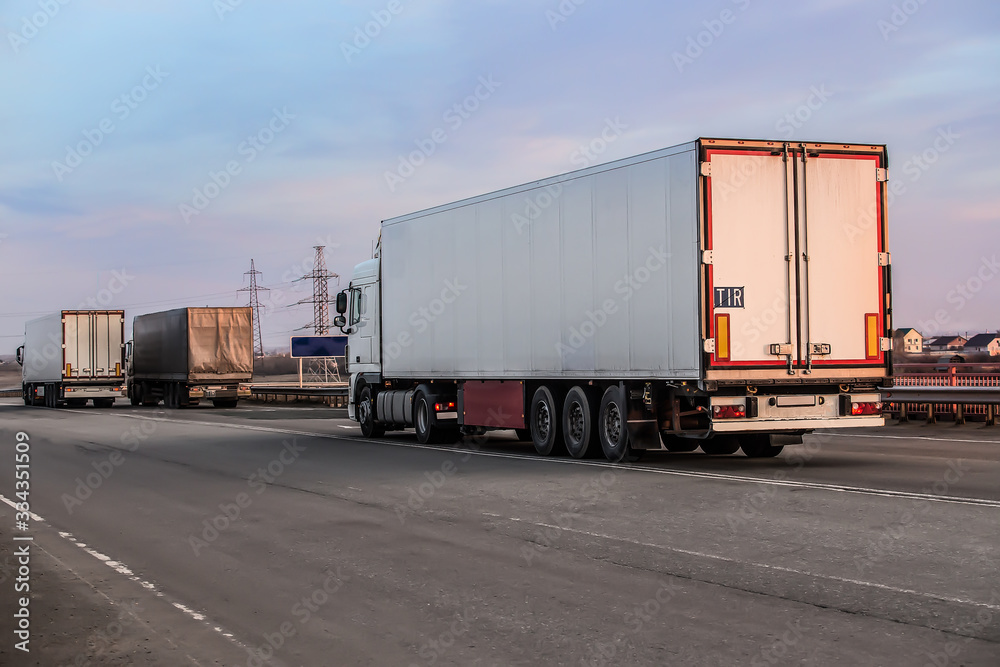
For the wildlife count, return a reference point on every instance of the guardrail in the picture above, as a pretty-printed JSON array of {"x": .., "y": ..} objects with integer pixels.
[
  {"x": 936, "y": 399},
  {"x": 335, "y": 396}
]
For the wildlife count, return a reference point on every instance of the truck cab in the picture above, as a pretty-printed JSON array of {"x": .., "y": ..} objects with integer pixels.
[{"x": 359, "y": 317}]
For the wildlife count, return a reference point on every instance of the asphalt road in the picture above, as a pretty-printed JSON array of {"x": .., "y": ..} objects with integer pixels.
[{"x": 276, "y": 536}]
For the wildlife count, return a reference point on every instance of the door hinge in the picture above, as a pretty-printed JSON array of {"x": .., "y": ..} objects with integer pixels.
[
  {"x": 709, "y": 346},
  {"x": 884, "y": 258},
  {"x": 885, "y": 344},
  {"x": 780, "y": 349},
  {"x": 706, "y": 169},
  {"x": 707, "y": 256},
  {"x": 881, "y": 175}
]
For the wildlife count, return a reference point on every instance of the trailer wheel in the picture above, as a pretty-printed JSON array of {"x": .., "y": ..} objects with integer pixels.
[
  {"x": 133, "y": 395},
  {"x": 26, "y": 392},
  {"x": 146, "y": 397},
  {"x": 104, "y": 402},
  {"x": 50, "y": 396},
  {"x": 545, "y": 423},
  {"x": 366, "y": 415},
  {"x": 758, "y": 446},
  {"x": 677, "y": 445},
  {"x": 224, "y": 402},
  {"x": 579, "y": 419},
  {"x": 612, "y": 426},
  {"x": 720, "y": 445}
]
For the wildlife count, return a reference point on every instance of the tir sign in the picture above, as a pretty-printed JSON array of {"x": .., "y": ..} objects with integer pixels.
[{"x": 729, "y": 297}]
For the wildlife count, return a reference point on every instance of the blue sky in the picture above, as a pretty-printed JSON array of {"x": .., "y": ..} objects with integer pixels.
[{"x": 165, "y": 96}]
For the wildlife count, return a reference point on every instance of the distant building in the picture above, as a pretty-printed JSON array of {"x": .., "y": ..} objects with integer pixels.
[
  {"x": 908, "y": 340},
  {"x": 986, "y": 342},
  {"x": 945, "y": 343}
]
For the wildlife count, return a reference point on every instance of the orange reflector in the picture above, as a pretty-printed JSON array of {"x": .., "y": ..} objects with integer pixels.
[
  {"x": 872, "y": 346},
  {"x": 722, "y": 337},
  {"x": 69, "y": 369}
]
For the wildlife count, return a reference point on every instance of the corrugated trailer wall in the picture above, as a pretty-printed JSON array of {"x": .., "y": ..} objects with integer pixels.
[{"x": 590, "y": 274}]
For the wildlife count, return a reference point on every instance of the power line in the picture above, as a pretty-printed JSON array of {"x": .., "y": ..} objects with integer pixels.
[{"x": 321, "y": 292}]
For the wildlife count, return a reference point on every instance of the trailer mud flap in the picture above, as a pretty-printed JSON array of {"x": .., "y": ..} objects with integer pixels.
[{"x": 644, "y": 434}]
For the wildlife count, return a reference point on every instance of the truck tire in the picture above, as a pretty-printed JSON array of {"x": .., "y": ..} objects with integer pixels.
[
  {"x": 133, "y": 395},
  {"x": 720, "y": 445},
  {"x": 423, "y": 420},
  {"x": 146, "y": 396},
  {"x": 578, "y": 424},
  {"x": 50, "y": 396},
  {"x": 545, "y": 423},
  {"x": 677, "y": 445},
  {"x": 104, "y": 402},
  {"x": 758, "y": 446},
  {"x": 26, "y": 393},
  {"x": 612, "y": 427},
  {"x": 366, "y": 415},
  {"x": 223, "y": 402}
]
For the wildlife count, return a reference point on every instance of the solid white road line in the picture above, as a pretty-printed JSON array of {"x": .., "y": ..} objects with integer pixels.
[
  {"x": 725, "y": 477},
  {"x": 777, "y": 568}
]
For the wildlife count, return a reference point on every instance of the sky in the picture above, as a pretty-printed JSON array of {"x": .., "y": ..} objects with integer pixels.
[{"x": 150, "y": 150}]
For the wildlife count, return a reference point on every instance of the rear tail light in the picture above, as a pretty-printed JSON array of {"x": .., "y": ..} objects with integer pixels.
[
  {"x": 444, "y": 407},
  {"x": 859, "y": 409},
  {"x": 729, "y": 411}
]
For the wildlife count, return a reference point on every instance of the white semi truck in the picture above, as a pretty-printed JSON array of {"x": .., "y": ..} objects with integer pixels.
[
  {"x": 720, "y": 294},
  {"x": 73, "y": 356}
]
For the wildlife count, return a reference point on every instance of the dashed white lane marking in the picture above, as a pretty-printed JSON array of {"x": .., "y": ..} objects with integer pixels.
[
  {"x": 745, "y": 479},
  {"x": 777, "y": 568},
  {"x": 124, "y": 570}
]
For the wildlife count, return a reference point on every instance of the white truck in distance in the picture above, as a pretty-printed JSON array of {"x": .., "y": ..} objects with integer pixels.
[
  {"x": 74, "y": 356},
  {"x": 720, "y": 294}
]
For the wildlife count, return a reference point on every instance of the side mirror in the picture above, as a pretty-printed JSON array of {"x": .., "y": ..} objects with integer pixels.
[
  {"x": 20, "y": 355},
  {"x": 340, "y": 322},
  {"x": 342, "y": 302}
]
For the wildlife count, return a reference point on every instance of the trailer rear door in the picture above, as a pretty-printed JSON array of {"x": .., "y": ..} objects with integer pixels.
[
  {"x": 93, "y": 344},
  {"x": 795, "y": 257}
]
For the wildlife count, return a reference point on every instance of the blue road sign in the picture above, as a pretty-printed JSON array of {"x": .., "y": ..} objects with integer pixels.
[{"x": 318, "y": 346}]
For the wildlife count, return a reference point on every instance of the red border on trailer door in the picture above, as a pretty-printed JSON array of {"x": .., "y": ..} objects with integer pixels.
[
  {"x": 880, "y": 233},
  {"x": 709, "y": 243}
]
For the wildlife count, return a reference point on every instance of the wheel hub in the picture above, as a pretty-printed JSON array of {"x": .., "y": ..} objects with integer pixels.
[{"x": 576, "y": 422}]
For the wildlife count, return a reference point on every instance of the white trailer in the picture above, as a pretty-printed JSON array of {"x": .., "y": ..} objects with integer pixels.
[
  {"x": 73, "y": 356},
  {"x": 720, "y": 293}
]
